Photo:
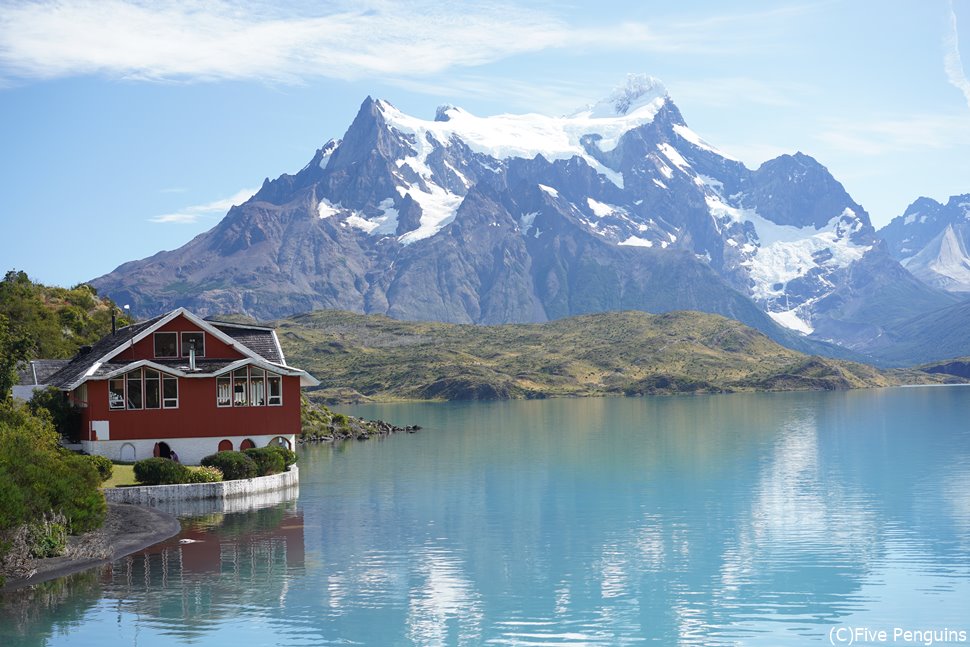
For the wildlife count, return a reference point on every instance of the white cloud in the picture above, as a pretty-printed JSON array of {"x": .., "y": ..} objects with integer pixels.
[
  {"x": 180, "y": 40},
  {"x": 191, "y": 215},
  {"x": 740, "y": 91},
  {"x": 952, "y": 63},
  {"x": 898, "y": 134},
  {"x": 191, "y": 41}
]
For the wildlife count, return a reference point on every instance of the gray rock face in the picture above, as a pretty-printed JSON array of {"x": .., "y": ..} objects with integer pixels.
[{"x": 530, "y": 218}]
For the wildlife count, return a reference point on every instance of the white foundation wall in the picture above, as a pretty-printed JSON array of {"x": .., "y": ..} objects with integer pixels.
[{"x": 190, "y": 451}]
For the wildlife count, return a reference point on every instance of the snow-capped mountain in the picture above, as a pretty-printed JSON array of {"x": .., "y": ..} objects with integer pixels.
[
  {"x": 516, "y": 218},
  {"x": 932, "y": 241}
]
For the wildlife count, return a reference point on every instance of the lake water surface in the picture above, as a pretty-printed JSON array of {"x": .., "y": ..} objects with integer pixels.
[{"x": 763, "y": 519}]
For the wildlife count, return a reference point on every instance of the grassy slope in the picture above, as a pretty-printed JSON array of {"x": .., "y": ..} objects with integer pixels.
[{"x": 610, "y": 353}]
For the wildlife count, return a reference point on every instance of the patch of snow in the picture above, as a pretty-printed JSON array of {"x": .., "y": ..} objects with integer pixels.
[
  {"x": 383, "y": 225},
  {"x": 438, "y": 209},
  {"x": 952, "y": 261},
  {"x": 359, "y": 222},
  {"x": 601, "y": 209},
  {"x": 785, "y": 252},
  {"x": 705, "y": 180},
  {"x": 548, "y": 189},
  {"x": 673, "y": 238},
  {"x": 696, "y": 140},
  {"x": 438, "y": 205},
  {"x": 659, "y": 183},
  {"x": 790, "y": 319},
  {"x": 675, "y": 157},
  {"x": 639, "y": 90},
  {"x": 461, "y": 176},
  {"x": 325, "y": 209},
  {"x": 506, "y": 136},
  {"x": 665, "y": 170},
  {"x": 328, "y": 150},
  {"x": 636, "y": 241},
  {"x": 528, "y": 218},
  {"x": 910, "y": 219}
]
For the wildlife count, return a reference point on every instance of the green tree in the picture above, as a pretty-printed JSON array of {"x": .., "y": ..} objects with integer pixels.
[
  {"x": 15, "y": 348},
  {"x": 39, "y": 478}
]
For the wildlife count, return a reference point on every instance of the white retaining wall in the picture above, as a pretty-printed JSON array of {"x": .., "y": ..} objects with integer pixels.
[
  {"x": 162, "y": 495},
  {"x": 191, "y": 451}
]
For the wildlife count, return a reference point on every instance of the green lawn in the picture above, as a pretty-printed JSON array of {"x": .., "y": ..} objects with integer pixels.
[
  {"x": 124, "y": 475},
  {"x": 121, "y": 475}
]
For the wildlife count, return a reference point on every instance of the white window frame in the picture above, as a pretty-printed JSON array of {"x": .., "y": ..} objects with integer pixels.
[
  {"x": 167, "y": 402},
  {"x": 199, "y": 352},
  {"x": 227, "y": 379},
  {"x": 155, "y": 344},
  {"x": 269, "y": 397}
]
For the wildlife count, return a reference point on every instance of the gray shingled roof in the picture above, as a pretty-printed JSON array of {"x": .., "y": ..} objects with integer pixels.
[
  {"x": 39, "y": 371},
  {"x": 84, "y": 360},
  {"x": 256, "y": 338}
]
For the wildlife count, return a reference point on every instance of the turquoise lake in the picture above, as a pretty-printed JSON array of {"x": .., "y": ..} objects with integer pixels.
[{"x": 748, "y": 519}]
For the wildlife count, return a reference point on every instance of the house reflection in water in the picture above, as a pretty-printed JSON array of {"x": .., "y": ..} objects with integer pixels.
[{"x": 219, "y": 566}]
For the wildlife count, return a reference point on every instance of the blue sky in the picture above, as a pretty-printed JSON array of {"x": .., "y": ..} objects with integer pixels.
[{"x": 130, "y": 127}]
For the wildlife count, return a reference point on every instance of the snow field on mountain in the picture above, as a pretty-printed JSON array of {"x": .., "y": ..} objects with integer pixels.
[{"x": 782, "y": 253}]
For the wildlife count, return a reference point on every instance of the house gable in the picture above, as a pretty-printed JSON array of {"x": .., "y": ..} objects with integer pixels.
[
  {"x": 175, "y": 337},
  {"x": 169, "y": 335}
]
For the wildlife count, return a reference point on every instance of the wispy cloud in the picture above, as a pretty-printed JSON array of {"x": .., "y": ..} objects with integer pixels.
[
  {"x": 952, "y": 63},
  {"x": 183, "y": 40},
  {"x": 191, "y": 215},
  {"x": 739, "y": 90},
  {"x": 898, "y": 135}
]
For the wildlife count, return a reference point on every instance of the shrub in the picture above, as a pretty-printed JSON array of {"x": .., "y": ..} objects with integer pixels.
[
  {"x": 205, "y": 475},
  {"x": 268, "y": 460},
  {"x": 48, "y": 537},
  {"x": 160, "y": 471},
  {"x": 38, "y": 479},
  {"x": 104, "y": 466},
  {"x": 289, "y": 456},
  {"x": 233, "y": 465}
]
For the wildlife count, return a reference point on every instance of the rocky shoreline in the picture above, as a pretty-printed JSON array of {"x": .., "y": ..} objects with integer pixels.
[
  {"x": 127, "y": 529},
  {"x": 365, "y": 430}
]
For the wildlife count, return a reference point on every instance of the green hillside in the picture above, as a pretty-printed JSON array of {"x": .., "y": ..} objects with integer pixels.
[
  {"x": 57, "y": 321},
  {"x": 360, "y": 357}
]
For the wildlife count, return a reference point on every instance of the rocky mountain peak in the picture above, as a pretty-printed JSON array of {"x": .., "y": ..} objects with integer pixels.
[{"x": 637, "y": 91}]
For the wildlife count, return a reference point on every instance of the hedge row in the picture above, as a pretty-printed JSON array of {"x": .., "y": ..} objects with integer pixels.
[
  {"x": 162, "y": 471},
  {"x": 222, "y": 466}
]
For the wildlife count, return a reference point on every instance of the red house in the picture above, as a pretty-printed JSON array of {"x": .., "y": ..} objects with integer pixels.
[{"x": 179, "y": 383}]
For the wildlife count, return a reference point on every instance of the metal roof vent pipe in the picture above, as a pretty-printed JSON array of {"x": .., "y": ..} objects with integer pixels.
[{"x": 192, "y": 355}]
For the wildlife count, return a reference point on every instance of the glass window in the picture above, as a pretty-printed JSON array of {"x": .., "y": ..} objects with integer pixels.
[
  {"x": 134, "y": 389},
  {"x": 166, "y": 344},
  {"x": 116, "y": 393},
  {"x": 153, "y": 389},
  {"x": 170, "y": 392},
  {"x": 240, "y": 386},
  {"x": 198, "y": 338},
  {"x": 257, "y": 387},
  {"x": 224, "y": 391},
  {"x": 275, "y": 388}
]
